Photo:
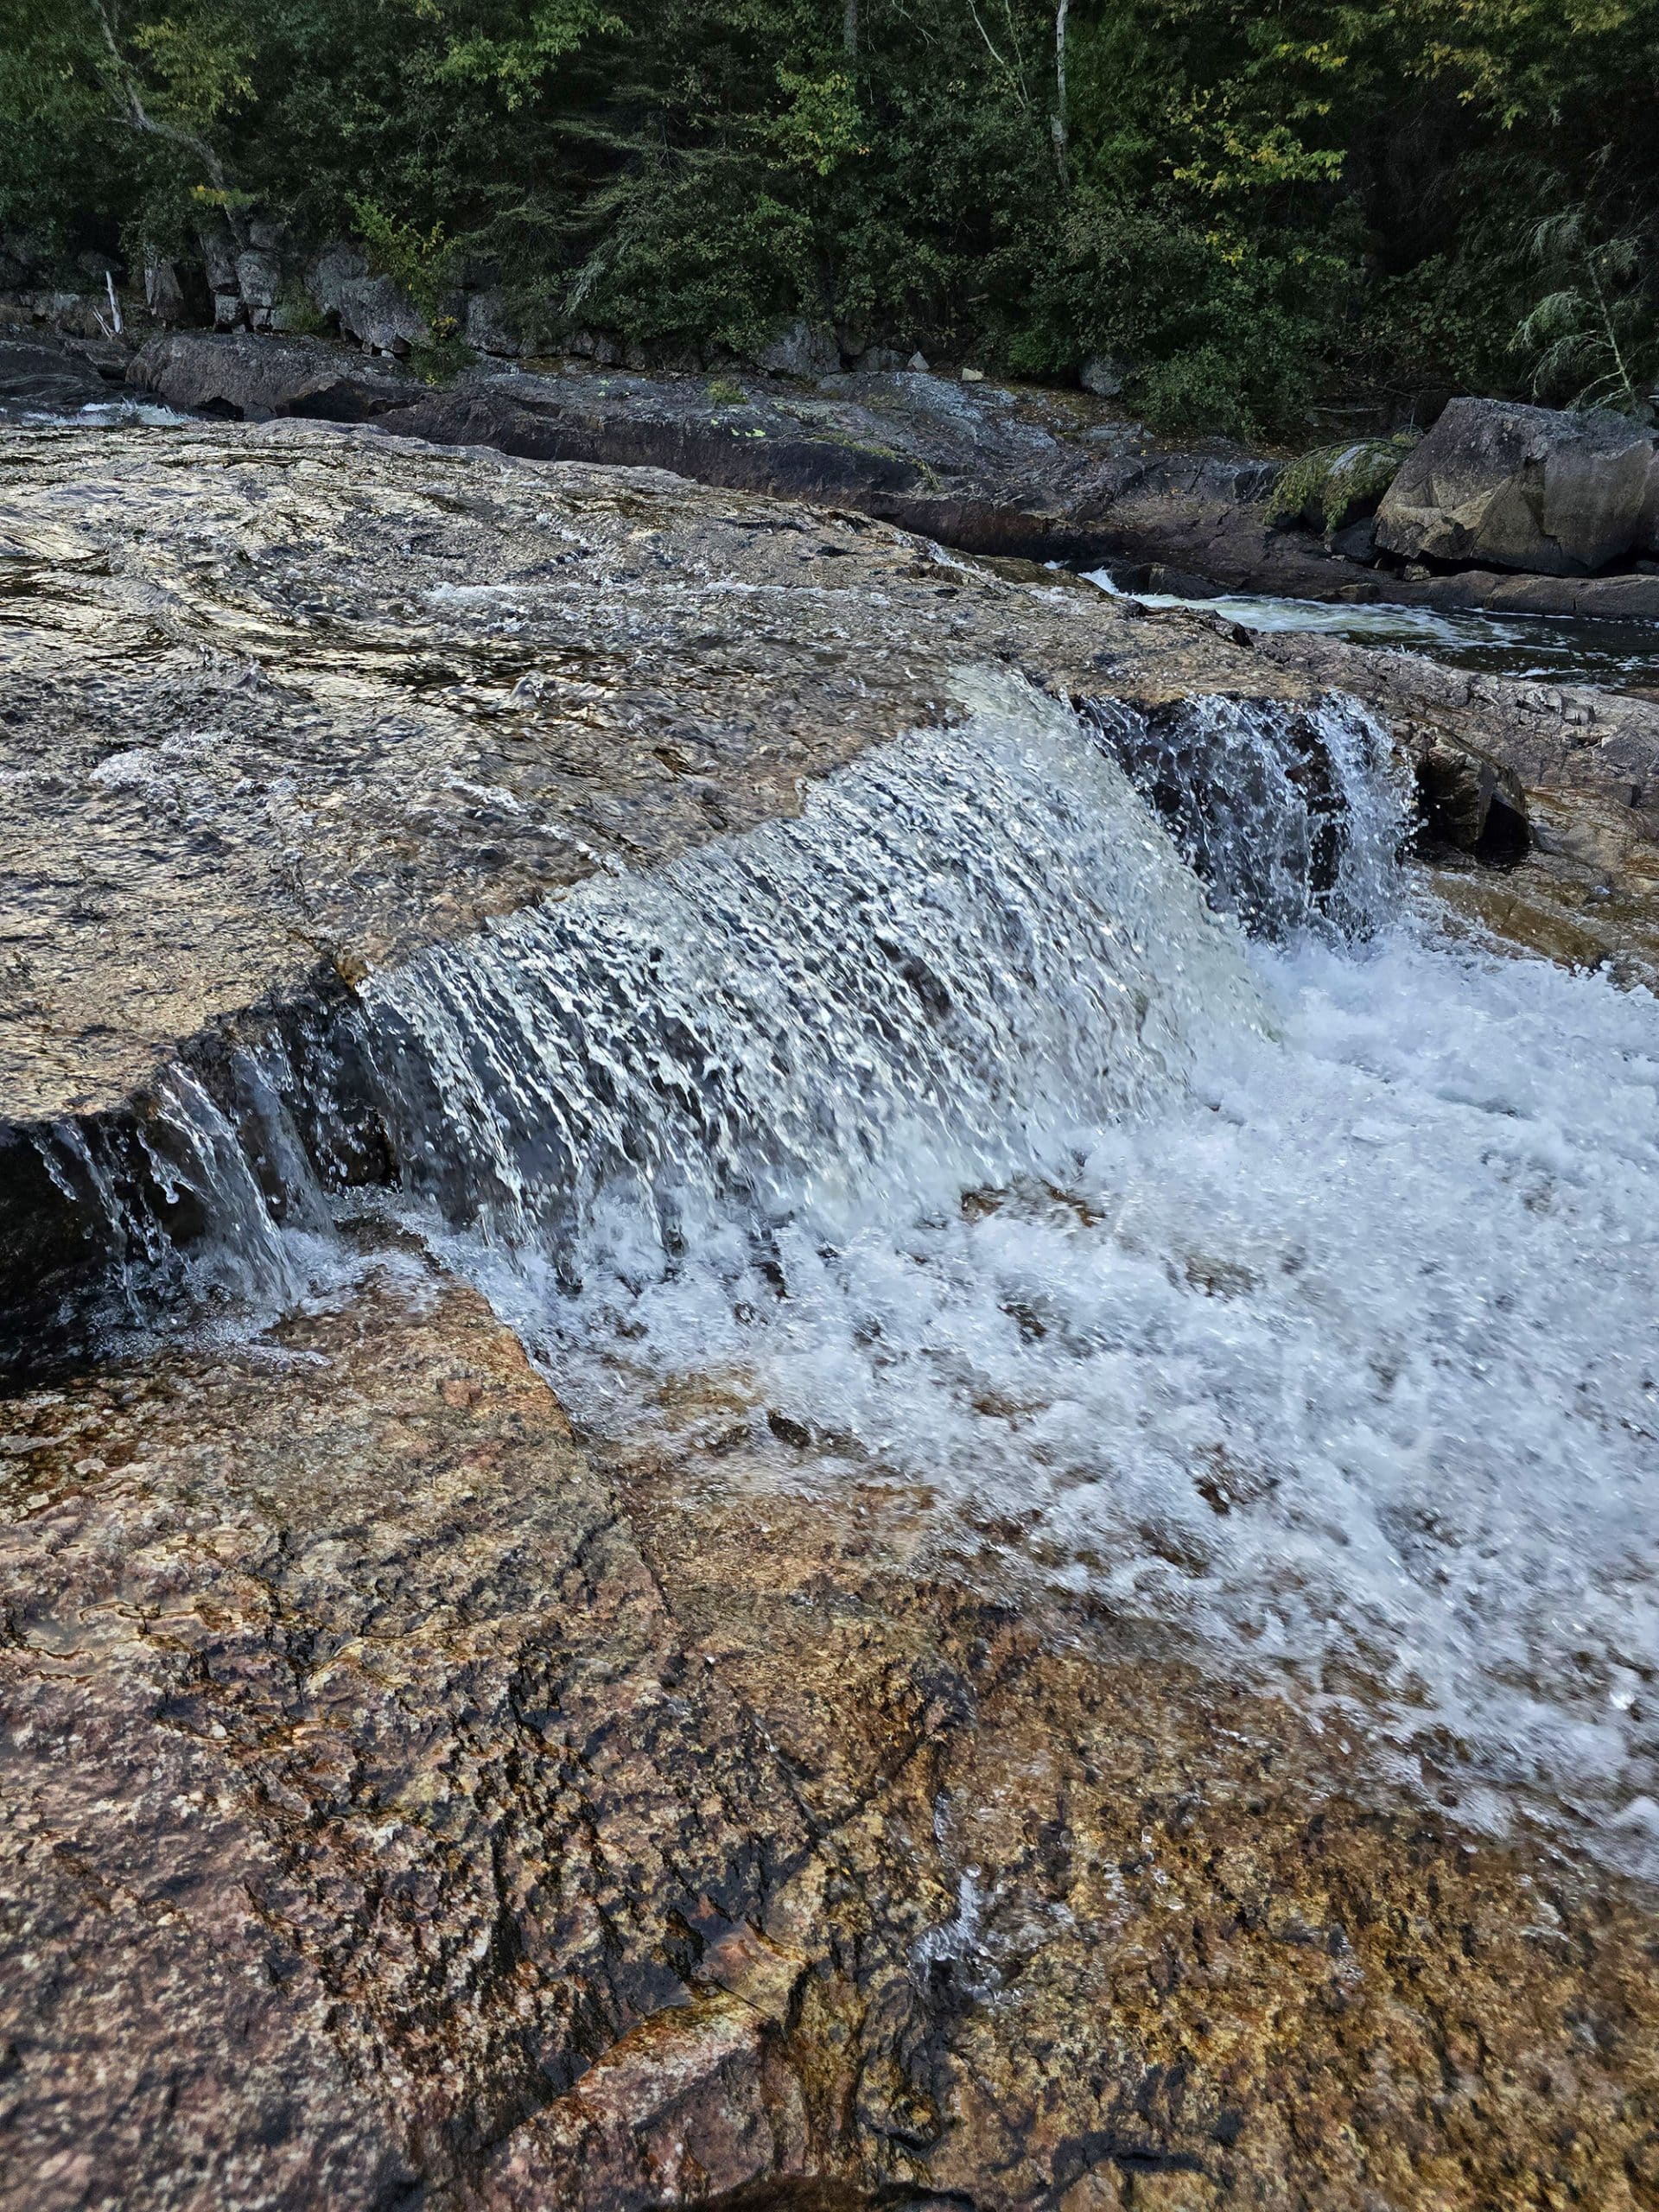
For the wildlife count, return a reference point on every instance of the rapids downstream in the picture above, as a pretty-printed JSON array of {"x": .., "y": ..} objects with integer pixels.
[
  {"x": 1536, "y": 648},
  {"x": 1100, "y": 1136}
]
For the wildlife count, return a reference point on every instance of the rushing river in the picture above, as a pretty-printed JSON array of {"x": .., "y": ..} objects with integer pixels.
[
  {"x": 1540, "y": 648},
  {"x": 1257, "y": 1256}
]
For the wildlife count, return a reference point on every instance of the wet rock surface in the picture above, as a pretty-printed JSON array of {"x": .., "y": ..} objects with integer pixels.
[
  {"x": 405, "y": 1801},
  {"x": 1015, "y": 471},
  {"x": 286, "y": 704},
  {"x": 1564, "y": 813},
  {"x": 42, "y": 379},
  {"x": 312, "y": 699},
  {"x": 402, "y": 1804}
]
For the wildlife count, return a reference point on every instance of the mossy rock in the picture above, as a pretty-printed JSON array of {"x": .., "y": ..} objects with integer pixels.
[{"x": 1335, "y": 485}]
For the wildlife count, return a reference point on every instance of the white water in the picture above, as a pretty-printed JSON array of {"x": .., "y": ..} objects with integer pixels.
[
  {"x": 1539, "y": 648},
  {"x": 1296, "y": 1298},
  {"x": 1344, "y": 1362},
  {"x": 1323, "y": 1340},
  {"x": 972, "y": 949}
]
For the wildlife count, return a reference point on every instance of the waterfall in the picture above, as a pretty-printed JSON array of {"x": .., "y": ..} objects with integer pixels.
[
  {"x": 968, "y": 944},
  {"x": 968, "y": 948},
  {"x": 1074, "y": 1121},
  {"x": 1294, "y": 818}
]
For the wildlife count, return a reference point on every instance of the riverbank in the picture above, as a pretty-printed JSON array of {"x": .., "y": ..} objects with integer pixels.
[{"x": 1022, "y": 471}]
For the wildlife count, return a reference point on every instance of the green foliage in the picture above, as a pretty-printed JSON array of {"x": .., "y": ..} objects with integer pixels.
[
  {"x": 441, "y": 359},
  {"x": 1592, "y": 338},
  {"x": 822, "y": 126},
  {"x": 724, "y": 392},
  {"x": 418, "y": 261},
  {"x": 518, "y": 63},
  {"x": 301, "y": 315},
  {"x": 1248, "y": 201}
]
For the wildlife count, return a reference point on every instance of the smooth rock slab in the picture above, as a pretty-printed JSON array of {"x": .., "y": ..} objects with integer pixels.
[
  {"x": 285, "y": 699},
  {"x": 992, "y": 469},
  {"x": 394, "y": 1798},
  {"x": 286, "y": 704}
]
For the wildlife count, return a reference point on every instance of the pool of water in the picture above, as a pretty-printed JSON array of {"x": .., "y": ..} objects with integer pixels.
[{"x": 1548, "y": 648}]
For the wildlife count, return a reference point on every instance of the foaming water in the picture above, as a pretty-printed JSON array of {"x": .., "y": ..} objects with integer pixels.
[
  {"x": 1297, "y": 1303},
  {"x": 1342, "y": 1363},
  {"x": 1292, "y": 1294},
  {"x": 969, "y": 952}
]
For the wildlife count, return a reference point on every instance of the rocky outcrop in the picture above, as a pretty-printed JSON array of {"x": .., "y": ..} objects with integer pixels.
[
  {"x": 367, "y": 306},
  {"x": 314, "y": 699},
  {"x": 398, "y": 1804},
  {"x": 1496, "y": 485},
  {"x": 248, "y": 378},
  {"x": 801, "y": 351},
  {"x": 37, "y": 380},
  {"x": 1040, "y": 475},
  {"x": 292, "y": 704},
  {"x": 974, "y": 466}
]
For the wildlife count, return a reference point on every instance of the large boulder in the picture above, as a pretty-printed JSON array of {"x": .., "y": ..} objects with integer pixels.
[
  {"x": 1495, "y": 485},
  {"x": 259, "y": 278},
  {"x": 369, "y": 308},
  {"x": 242, "y": 377}
]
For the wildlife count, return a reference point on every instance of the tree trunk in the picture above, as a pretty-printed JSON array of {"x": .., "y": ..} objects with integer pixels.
[
  {"x": 849, "y": 30},
  {"x": 1062, "y": 141}
]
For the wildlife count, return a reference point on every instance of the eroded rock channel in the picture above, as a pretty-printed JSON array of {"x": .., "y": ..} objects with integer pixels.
[{"x": 747, "y": 1460}]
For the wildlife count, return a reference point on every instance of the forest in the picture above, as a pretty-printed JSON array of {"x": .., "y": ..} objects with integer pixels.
[{"x": 1251, "y": 208}]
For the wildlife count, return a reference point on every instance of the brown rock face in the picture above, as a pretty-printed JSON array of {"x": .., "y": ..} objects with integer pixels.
[
  {"x": 288, "y": 704},
  {"x": 288, "y": 700},
  {"x": 398, "y": 1805},
  {"x": 405, "y": 1802}
]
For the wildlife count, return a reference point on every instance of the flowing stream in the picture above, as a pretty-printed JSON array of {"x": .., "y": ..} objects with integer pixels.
[
  {"x": 1533, "y": 648},
  {"x": 1163, "y": 1192}
]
